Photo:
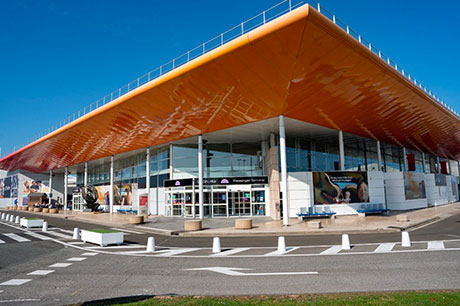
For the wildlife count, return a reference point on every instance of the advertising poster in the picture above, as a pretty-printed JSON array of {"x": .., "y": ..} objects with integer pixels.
[
  {"x": 440, "y": 179},
  {"x": 35, "y": 186},
  {"x": 5, "y": 187},
  {"x": 453, "y": 181},
  {"x": 414, "y": 186},
  {"x": 143, "y": 204},
  {"x": 126, "y": 195},
  {"x": 14, "y": 186},
  {"x": 340, "y": 187}
]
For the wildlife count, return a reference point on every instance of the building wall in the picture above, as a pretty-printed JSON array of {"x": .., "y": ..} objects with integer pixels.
[
  {"x": 271, "y": 170},
  {"x": 395, "y": 195}
]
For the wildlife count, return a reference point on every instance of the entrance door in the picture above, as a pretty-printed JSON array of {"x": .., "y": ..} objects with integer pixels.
[{"x": 239, "y": 203}]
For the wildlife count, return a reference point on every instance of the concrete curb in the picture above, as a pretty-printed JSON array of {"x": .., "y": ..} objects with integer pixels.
[{"x": 416, "y": 225}]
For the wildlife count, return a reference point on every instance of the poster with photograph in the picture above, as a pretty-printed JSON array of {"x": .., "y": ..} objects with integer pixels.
[
  {"x": 35, "y": 186},
  {"x": 453, "y": 181},
  {"x": 440, "y": 179},
  {"x": 14, "y": 186},
  {"x": 340, "y": 187},
  {"x": 414, "y": 185},
  {"x": 5, "y": 187}
]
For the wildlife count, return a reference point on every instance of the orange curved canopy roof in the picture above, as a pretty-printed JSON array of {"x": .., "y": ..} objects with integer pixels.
[{"x": 300, "y": 65}]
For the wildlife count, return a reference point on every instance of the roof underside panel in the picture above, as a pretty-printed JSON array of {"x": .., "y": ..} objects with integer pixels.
[{"x": 300, "y": 65}]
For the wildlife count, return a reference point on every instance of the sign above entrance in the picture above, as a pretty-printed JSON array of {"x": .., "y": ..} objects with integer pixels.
[{"x": 240, "y": 180}]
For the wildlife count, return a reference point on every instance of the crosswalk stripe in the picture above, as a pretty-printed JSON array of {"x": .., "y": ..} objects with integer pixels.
[
  {"x": 384, "y": 247},
  {"x": 16, "y": 237},
  {"x": 332, "y": 250},
  {"x": 170, "y": 253},
  {"x": 59, "y": 235},
  {"x": 38, "y": 236},
  {"x": 275, "y": 253},
  {"x": 1, "y": 241},
  {"x": 435, "y": 245},
  {"x": 230, "y": 252}
]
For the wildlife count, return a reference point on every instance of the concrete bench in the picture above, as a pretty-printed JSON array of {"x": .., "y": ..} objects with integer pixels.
[
  {"x": 243, "y": 223},
  {"x": 314, "y": 224},
  {"x": 192, "y": 225},
  {"x": 402, "y": 218}
]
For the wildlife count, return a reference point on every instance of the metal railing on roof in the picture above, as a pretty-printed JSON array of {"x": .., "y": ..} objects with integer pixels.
[{"x": 259, "y": 20}]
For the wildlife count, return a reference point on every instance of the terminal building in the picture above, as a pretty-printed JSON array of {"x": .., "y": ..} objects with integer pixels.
[{"x": 290, "y": 112}]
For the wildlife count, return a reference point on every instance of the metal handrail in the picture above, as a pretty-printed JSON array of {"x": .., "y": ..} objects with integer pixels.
[{"x": 275, "y": 11}]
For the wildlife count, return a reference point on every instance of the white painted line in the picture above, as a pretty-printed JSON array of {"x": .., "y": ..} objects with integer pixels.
[
  {"x": 170, "y": 253},
  {"x": 435, "y": 245},
  {"x": 19, "y": 300},
  {"x": 1, "y": 291},
  {"x": 77, "y": 258},
  {"x": 1, "y": 241},
  {"x": 332, "y": 250},
  {"x": 15, "y": 282},
  {"x": 137, "y": 246},
  {"x": 17, "y": 237},
  {"x": 63, "y": 230},
  {"x": 384, "y": 248},
  {"x": 89, "y": 254},
  {"x": 38, "y": 236},
  {"x": 125, "y": 230},
  {"x": 276, "y": 253},
  {"x": 41, "y": 272},
  {"x": 235, "y": 272},
  {"x": 230, "y": 252},
  {"x": 61, "y": 265},
  {"x": 59, "y": 235},
  {"x": 76, "y": 242},
  {"x": 132, "y": 252}
]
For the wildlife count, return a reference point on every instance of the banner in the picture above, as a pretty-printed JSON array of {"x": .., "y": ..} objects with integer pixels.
[
  {"x": 440, "y": 179},
  {"x": 453, "y": 181},
  {"x": 9, "y": 187},
  {"x": 35, "y": 186},
  {"x": 414, "y": 185},
  {"x": 340, "y": 187}
]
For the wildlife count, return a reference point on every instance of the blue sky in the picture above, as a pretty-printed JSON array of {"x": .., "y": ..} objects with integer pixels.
[{"x": 58, "y": 56}]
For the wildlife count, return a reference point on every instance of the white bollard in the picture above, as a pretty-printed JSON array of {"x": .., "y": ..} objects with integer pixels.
[
  {"x": 345, "y": 242},
  {"x": 281, "y": 244},
  {"x": 3, "y": 216},
  {"x": 405, "y": 239},
  {"x": 76, "y": 234},
  {"x": 216, "y": 245},
  {"x": 45, "y": 226},
  {"x": 151, "y": 244},
  {"x": 17, "y": 220},
  {"x": 11, "y": 218}
]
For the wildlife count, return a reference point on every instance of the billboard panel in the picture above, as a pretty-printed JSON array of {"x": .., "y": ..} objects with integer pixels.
[
  {"x": 414, "y": 185},
  {"x": 440, "y": 179},
  {"x": 340, "y": 187}
]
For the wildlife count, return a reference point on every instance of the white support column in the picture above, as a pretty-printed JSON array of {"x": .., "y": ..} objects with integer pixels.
[
  {"x": 200, "y": 175},
  {"x": 341, "y": 152},
  {"x": 448, "y": 167},
  {"x": 423, "y": 161},
  {"x": 405, "y": 160},
  {"x": 458, "y": 166},
  {"x": 284, "y": 188},
  {"x": 111, "y": 185},
  {"x": 439, "y": 164},
  {"x": 51, "y": 185},
  {"x": 171, "y": 166},
  {"x": 85, "y": 180},
  {"x": 147, "y": 178},
  {"x": 379, "y": 156},
  {"x": 66, "y": 182}
]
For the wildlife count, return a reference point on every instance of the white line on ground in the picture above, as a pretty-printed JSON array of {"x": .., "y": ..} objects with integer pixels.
[
  {"x": 137, "y": 246},
  {"x": 125, "y": 230},
  {"x": 435, "y": 245},
  {"x": 169, "y": 253},
  {"x": 63, "y": 230},
  {"x": 38, "y": 236},
  {"x": 61, "y": 265},
  {"x": 1, "y": 241},
  {"x": 19, "y": 300},
  {"x": 16, "y": 237},
  {"x": 77, "y": 258},
  {"x": 89, "y": 254},
  {"x": 76, "y": 242},
  {"x": 385, "y": 247},
  {"x": 332, "y": 250},
  {"x": 15, "y": 282},
  {"x": 41, "y": 272},
  {"x": 276, "y": 253},
  {"x": 59, "y": 235},
  {"x": 230, "y": 252}
]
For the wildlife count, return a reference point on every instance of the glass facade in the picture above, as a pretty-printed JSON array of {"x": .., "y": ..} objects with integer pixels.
[{"x": 159, "y": 166}]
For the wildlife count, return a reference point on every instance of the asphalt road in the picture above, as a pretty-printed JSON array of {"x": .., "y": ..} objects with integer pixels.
[{"x": 108, "y": 275}]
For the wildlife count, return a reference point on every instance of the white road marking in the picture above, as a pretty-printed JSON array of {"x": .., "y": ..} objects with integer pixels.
[
  {"x": 125, "y": 230},
  {"x": 384, "y": 248},
  {"x": 41, "y": 272},
  {"x": 1, "y": 291},
  {"x": 59, "y": 235},
  {"x": 234, "y": 272},
  {"x": 1, "y": 241},
  {"x": 63, "y": 230},
  {"x": 89, "y": 254},
  {"x": 77, "y": 258},
  {"x": 435, "y": 245},
  {"x": 173, "y": 252},
  {"x": 76, "y": 242},
  {"x": 332, "y": 250},
  {"x": 230, "y": 252},
  {"x": 38, "y": 236},
  {"x": 276, "y": 253},
  {"x": 61, "y": 265},
  {"x": 19, "y": 300},
  {"x": 15, "y": 282},
  {"x": 17, "y": 237}
]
